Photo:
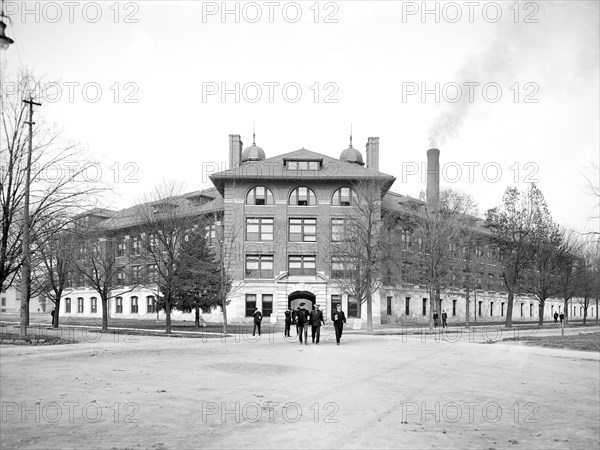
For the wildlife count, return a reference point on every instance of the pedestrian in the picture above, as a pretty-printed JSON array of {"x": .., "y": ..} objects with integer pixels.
[
  {"x": 288, "y": 322},
  {"x": 562, "y": 317},
  {"x": 316, "y": 316},
  {"x": 257, "y": 320},
  {"x": 444, "y": 318},
  {"x": 435, "y": 319},
  {"x": 555, "y": 317},
  {"x": 52, "y": 314},
  {"x": 303, "y": 319},
  {"x": 295, "y": 319},
  {"x": 339, "y": 319}
]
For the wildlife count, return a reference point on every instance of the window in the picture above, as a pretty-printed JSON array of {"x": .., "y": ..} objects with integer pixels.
[
  {"x": 389, "y": 306},
  {"x": 134, "y": 305},
  {"x": 260, "y": 195},
  {"x": 94, "y": 304},
  {"x": 152, "y": 242},
  {"x": 343, "y": 267},
  {"x": 120, "y": 246},
  {"x": 424, "y": 306},
  {"x": 338, "y": 230},
  {"x": 522, "y": 309},
  {"x": 302, "y": 265},
  {"x": 303, "y": 196},
  {"x": 453, "y": 308},
  {"x": 551, "y": 310},
  {"x": 136, "y": 276},
  {"x": 491, "y": 309},
  {"x": 531, "y": 310},
  {"x": 120, "y": 276},
  {"x": 343, "y": 197},
  {"x": 259, "y": 229},
  {"x": 119, "y": 305},
  {"x": 407, "y": 306},
  {"x": 267, "y": 304},
  {"x": 352, "y": 306},
  {"x": 491, "y": 281},
  {"x": 250, "y": 304},
  {"x": 479, "y": 309},
  {"x": 213, "y": 232},
  {"x": 80, "y": 305},
  {"x": 135, "y": 245},
  {"x": 335, "y": 300},
  {"x": 150, "y": 304},
  {"x": 67, "y": 305},
  {"x": 303, "y": 165},
  {"x": 152, "y": 273},
  {"x": 502, "y": 309},
  {"x": 3, "y": 301},
  {"x": 259, "y": 266},
  {"x": 303, "y": 230}
]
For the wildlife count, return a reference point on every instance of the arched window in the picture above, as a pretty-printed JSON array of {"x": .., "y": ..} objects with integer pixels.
[
  {"x": 303, "y": 196},
  {"x": 343, "y": 197},
  {"x": 259, "y": 195}
]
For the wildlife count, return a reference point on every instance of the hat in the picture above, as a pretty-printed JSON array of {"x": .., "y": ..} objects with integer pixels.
[
  {"x": 302, "y": 304},
  {"x": 317, "y": 306}
]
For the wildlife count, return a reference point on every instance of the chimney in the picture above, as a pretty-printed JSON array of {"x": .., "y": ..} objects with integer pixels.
[
  {"x": 235, "y": 151},
  {"x": 433, "y": 176},
  {"x": 373, "y": 153}
]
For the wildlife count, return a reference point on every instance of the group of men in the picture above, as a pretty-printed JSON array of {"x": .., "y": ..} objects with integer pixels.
[
  {"x": 444, "y": 319},
  {"x": 303, "y": 318}
]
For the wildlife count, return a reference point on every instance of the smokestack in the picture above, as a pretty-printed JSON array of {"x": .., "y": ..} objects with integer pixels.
[
  {"x": 373, "y": 153},
  {"x": 235, "y": 151},
  {"x": 433, "y": 176}
]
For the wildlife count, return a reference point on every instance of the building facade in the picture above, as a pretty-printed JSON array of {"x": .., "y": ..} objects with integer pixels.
[{"x": 279, "y": 218}]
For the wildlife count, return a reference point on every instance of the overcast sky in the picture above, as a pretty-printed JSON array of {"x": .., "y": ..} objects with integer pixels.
[{"x": 145, "y": 81}]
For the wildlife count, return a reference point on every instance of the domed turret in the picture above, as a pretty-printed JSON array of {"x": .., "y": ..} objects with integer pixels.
[
  {"x": 352, "y": 155},
  {"x": 253, "y": 153}
]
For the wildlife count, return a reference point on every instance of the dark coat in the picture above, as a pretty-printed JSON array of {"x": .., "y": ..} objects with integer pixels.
[
  {"x": 288, "y": 317},
  {"x": 316, "y": 316},
  {"x": 302, "y": 317},
  {"x": 258, "y": 317},
  {"x": 444, "y": 316},
  {"x": 338, "y": 318}
]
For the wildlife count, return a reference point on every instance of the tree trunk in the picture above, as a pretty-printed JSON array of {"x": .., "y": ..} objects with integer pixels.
[
  {"x": 467, "y": 312},
  {"x": 432, "y": 303},
  {"x": 168, "y": 313},
  {"x": 541, "y": 312},
  {"x": 369, "y": 309},
  {"x": 585, "y": 303},
  {"x": 596, "y": 311},
  {"x": 224, "y": 308},
  {"x": 56, "y": 313},
  {"x": 104, "y": 313},
  {"x": 566, "y": 307},
  {"x": 24, "y": 311},
  {"x": 197, "y": 318},
  {"x": 509, "y": 309}
]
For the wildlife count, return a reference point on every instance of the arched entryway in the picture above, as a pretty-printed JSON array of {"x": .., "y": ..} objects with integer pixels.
[{"x": 295, "y": 298}]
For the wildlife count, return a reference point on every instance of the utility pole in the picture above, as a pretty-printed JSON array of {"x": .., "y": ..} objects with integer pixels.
[{"x": 26, "y": 267}]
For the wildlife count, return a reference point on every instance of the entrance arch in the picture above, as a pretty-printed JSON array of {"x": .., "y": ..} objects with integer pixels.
[{"x": 295, "y": 298}]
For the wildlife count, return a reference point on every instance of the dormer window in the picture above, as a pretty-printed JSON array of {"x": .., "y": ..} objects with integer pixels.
[
  {"x": 303, "y": 164},
  {"x": 303, "y": 196},
  {"x": 259, "y": 195},
  {"x": 163, "y": 207}
]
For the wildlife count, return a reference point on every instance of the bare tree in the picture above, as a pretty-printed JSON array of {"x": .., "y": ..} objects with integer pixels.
[
  {"x": 359, "y": 253},
  {"x": 588, "y": 277},
  {"x": 521, "y": 220},
  {"x": 441, "y": 235},
  {"x": 96, "y": 265},
  {"x": 567, "y": 265},
  {"x": 58, "y": 186}
]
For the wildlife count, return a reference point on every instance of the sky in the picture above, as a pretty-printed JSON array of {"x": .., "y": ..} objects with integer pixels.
[{"x": 508, "y": 91}]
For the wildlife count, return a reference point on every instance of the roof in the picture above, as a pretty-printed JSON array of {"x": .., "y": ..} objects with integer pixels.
[{"x": 274, "y": 169}]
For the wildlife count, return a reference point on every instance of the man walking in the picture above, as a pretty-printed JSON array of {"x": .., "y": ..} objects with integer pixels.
[
  {"x": 435, "y": 319},
  {"x": 555, "y": 317},
  {"x": 562, "y": 317},
  {"x": 302, "y": 318},
  {"x": 257, "y": 320},
  {"x": 288, "y": 322},
  {"x": 339, "y": 319},
  {"x": 316, "y": 316},
  {"x": 444, "y": 318}
]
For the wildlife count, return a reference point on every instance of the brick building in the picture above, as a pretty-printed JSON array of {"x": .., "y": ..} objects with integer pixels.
[{"x": 280, "y": 216}]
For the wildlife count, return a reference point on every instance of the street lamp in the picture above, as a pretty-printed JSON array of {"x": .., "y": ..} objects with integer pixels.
[{"x": 5, "y": 41}]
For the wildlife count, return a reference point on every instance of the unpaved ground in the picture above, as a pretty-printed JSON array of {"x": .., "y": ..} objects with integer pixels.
[{"x": 372, "y": 391}]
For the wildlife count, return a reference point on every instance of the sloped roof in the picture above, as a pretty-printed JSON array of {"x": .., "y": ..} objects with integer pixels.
[
  {"x": 134, "y": 215},
  {"x": 274, "y": 169}
]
